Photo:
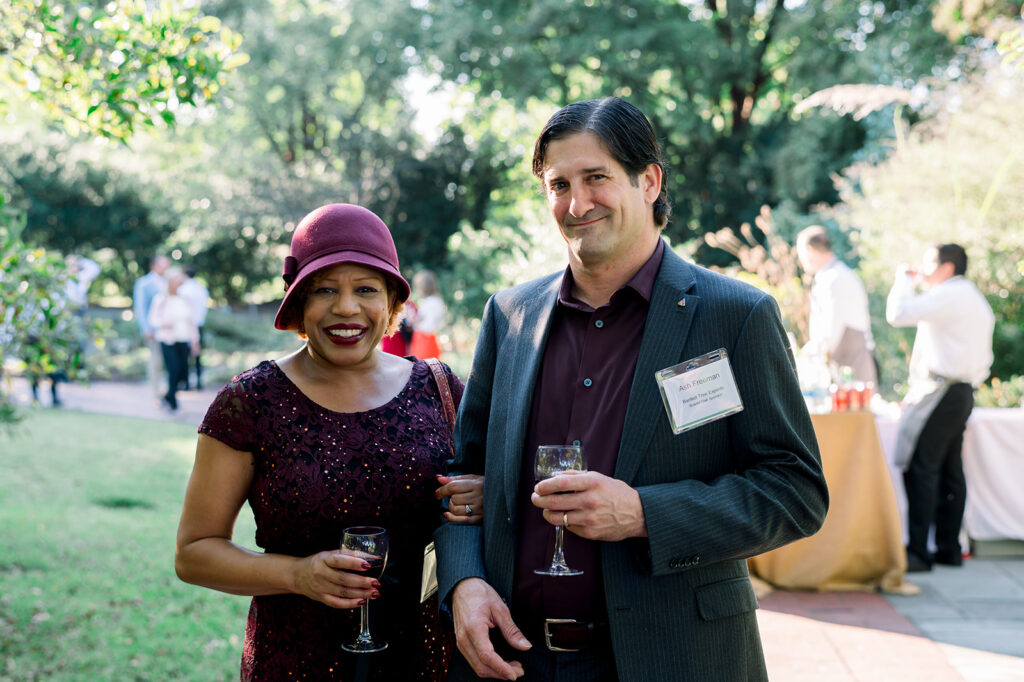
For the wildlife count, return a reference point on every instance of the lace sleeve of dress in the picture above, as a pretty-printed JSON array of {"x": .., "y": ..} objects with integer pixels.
[{"x": 230, "y": 416}]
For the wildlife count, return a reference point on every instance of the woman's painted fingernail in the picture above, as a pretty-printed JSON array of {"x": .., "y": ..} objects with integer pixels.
[
  {"x": 375, "y": 583},
  {"x": 366, "y": 566}
]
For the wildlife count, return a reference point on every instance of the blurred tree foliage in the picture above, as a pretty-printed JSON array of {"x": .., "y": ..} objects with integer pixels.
[
  {"x": 331, "y": 108},
  {"x": 77, "y": 201},
  {"x": 957, "y": 178},
  {"x": 103, "y": 68},
  {"x": 100, "y": 71},
  {"x": 516, "y": 246},
  {"x": 37, "y": 324},
  {"x": 719, "y": 80},
  {"x": 772, "y": 266},
  {"x": 1011, "y": 43},
  {"x": 987, "y": 18},
  {"x": 322, "y": 114}
]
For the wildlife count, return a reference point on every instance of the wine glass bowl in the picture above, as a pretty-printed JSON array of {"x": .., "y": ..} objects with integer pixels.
[
  {"x": 555, "y": 459},
  {"x": 369, "y": 543},
  {"x": 552, "y": 460}
]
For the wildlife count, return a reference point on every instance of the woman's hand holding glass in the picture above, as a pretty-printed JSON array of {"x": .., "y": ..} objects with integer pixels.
[
  {"x": 369, "y": 544},
  {"x": 336, "y": 579}
]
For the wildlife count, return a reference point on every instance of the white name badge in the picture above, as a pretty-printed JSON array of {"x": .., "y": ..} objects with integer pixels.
[{"x": 699, "y": 391}]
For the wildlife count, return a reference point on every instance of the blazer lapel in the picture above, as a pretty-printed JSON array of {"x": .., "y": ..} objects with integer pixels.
[
  {"x": 668, "y": 324},
  {"x": 528, "y": 342}
]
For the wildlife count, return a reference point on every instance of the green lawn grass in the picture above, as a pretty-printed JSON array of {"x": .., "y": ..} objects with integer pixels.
[{"x": 89, "y": 508}]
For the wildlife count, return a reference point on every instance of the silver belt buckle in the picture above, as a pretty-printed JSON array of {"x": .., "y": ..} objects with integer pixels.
[{"x": 547, "y": 633}]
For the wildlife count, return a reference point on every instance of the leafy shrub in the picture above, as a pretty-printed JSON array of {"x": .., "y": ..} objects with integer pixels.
[
  {"x": 1001, "y": 393},
  {"x": 38, "y": 327}
]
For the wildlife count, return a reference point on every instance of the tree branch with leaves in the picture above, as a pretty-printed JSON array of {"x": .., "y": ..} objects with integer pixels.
[{"x": 101, "y": 71}]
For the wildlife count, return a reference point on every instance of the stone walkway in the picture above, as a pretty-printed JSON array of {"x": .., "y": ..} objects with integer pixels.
[
  {"x": 127, "y": 399},
  {"x": 966, "y": 625}
]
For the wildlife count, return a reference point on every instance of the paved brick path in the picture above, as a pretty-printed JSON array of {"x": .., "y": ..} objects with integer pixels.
[{"x": 966, "y": 625}]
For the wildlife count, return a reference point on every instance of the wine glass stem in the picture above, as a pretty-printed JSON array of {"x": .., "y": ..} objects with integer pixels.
[
  {"x": 558, "y": 559},
  {"x": 364, "y": 622}
]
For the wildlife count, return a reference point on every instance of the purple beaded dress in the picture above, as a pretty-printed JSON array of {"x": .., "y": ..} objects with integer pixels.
[{"x": 316, "y": 473}]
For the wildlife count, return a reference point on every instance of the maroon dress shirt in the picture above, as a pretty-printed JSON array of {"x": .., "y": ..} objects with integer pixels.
[{"x": 581, "y": 396}]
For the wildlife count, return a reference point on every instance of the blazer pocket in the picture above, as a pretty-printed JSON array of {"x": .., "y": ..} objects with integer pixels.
[{"x": 726, "y": 598}]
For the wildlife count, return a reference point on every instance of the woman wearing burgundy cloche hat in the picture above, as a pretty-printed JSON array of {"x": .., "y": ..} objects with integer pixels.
[{"x": 335, "y": 435}]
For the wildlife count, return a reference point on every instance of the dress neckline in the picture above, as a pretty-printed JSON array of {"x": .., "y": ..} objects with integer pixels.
[{"x": 397, "y": 398}]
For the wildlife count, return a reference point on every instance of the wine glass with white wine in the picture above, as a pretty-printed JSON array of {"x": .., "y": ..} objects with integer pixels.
[{"x": 552, "y": 460}]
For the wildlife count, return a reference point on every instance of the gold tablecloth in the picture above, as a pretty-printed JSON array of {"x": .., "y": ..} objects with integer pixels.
[{"x": 860, "y": 546}]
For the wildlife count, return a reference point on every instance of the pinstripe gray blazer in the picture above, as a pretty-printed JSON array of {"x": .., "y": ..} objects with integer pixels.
[{"x": 680, "y": 604}]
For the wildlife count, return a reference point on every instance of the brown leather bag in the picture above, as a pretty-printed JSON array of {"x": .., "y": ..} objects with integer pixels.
[{"x": 428, "y": 578}]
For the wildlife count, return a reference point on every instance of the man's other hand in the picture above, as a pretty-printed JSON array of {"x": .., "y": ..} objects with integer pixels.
[{"x": 478, "y": 608}]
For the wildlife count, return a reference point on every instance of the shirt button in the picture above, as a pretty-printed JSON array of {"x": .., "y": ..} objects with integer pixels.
[
  {"x": 576, "y": 442},
  {"x": 588, "y": 382},
  {"x": 599, "y": 324}
]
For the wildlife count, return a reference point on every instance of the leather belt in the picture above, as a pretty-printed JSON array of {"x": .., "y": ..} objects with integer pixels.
[{"x": 570, "y": 635}]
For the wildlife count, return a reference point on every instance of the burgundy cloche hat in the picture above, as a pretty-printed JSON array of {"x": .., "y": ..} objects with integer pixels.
[{"x": 333, "y": 234}]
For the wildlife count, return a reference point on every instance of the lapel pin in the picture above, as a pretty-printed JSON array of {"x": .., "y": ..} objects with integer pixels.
[{"x": 682, "y": 303}]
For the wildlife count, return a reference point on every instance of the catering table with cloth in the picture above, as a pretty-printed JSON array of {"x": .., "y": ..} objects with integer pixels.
[
  {"x": 993, "y": 456},
  {"x": 860, "y": 545}
]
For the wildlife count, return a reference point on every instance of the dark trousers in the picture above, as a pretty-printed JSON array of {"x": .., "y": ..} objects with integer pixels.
[
  {"x": 541, "y": 665},
  {"x": 596, "y": 664},
  {"x": 199, "y": 364},
  {"x": 198, "y": 367},
  {"x": 934, "y": 481},
  {"x": 176, "y": 364},
  {"x": 55, "y": 378}
]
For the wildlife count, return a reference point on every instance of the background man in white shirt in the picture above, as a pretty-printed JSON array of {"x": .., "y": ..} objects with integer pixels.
[
  {"x": 197, "y": 295},
  {"x": 146, "y": 289},
  {"x": 952, "y": 356},
  {"x": 839, "y": 322}
]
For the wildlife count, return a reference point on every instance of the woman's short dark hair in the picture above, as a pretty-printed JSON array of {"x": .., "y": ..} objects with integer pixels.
[{"x": 622, "y": 128}]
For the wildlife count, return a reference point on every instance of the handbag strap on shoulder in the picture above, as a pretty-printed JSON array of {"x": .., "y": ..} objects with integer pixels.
[{"x": 443, "y": 389}]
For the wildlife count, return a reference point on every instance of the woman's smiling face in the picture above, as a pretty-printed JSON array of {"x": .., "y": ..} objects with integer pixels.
[{"x": 346, "y": 314}]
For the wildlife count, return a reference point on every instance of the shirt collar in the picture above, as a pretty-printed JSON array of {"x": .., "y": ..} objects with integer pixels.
[{"x": 642, "y": 282}]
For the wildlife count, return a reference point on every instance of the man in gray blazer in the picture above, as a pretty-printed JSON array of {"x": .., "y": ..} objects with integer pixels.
[{"x": 662, "y": 522}]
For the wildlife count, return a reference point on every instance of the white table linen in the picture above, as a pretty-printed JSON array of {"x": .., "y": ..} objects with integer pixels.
[{"x": 993, "y": 456}]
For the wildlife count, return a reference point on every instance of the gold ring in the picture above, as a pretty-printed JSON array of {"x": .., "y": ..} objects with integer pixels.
[{"x": 565, "y": 519}]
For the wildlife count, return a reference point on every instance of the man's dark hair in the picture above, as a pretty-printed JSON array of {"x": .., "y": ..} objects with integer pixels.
[
  {"x": 955, "y": 254},
  {"x": 622, "y": 128}
]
